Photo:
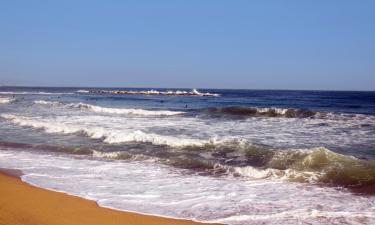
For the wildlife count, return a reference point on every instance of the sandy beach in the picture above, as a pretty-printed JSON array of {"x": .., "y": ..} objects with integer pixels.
[{"x": 23, "y": 204}]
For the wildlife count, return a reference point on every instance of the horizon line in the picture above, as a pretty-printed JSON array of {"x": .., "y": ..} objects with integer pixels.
[{"x": 204, "y": 88}]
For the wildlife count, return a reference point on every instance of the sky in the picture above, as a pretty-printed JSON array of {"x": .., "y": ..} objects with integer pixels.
[{"x": 272, "y": 44}]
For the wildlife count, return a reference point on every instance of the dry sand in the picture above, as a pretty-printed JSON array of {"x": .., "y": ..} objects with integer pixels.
[{"x": 23, "y": 204}]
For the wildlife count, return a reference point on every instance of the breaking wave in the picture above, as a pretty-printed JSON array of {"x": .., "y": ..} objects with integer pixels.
[
  {"x": 5, "y": 100},
  {"x": 193, "y": 92},
  {"x": 280, "y": 112},
  {"x": 236, "y": 157},
  {"x": 100, "y": 109},
  {"x": 318, "y": 165},
  {"x": 314, "y": 166},
  {"x": 82, "y": 91},
  {"x": 266, "y": 112},
  {"x": 108, "y": 136}
]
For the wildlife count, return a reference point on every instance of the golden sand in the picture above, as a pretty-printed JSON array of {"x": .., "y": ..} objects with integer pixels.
[{"x": 23, "y": 204}]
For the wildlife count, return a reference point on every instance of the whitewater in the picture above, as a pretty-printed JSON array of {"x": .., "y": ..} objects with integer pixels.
[{"x": 231, "y": 156}]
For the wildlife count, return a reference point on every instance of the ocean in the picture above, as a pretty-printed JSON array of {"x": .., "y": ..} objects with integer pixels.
[{"x": 232, "y": 156}]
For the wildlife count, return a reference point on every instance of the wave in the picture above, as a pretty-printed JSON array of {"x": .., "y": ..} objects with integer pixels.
[
  {"x": 108, "y": 136},
  {"x": 313, "y": 166},
  {"x": 236, "y": 157},
  {"x": 316, "y": 165},
  {"x": 266, "y": 112},
  {"x": 82, "y": 91},
  {"x": 100, "y": 109},
  {"x": 120, "y": 155},
  {"x": 280, "y": 112},
  {"x": 140, "y": 136},
  {"x": 51, "y": 103},
  {"x": 320, "y": 165},
  {"x": 82, "y": 150},
  {"x": 193, "y": 92},
  {"x": 5, "y": 100}
]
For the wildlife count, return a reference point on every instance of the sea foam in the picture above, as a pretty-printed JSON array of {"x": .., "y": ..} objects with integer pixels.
[
  {"x": 111, "y": 136},
  {"x": 5, "y": 100},
  {"x": 99, "y": 109},
  {"x": 193, "y": 92},
  {"x": 146, "y": 187}
]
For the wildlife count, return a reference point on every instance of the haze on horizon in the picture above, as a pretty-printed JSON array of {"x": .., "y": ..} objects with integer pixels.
[{"x": 313, "y": 45}]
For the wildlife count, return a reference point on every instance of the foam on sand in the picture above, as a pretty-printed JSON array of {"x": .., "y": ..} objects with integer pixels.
[
  {"x": 72, "y": 210},
  {"x": 150, "y": 188}
]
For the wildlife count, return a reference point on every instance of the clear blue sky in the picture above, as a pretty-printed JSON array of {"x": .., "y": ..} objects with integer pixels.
[{"x": 265, "y": 44}]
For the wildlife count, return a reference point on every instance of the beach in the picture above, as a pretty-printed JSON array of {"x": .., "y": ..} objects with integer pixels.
[
  {"x": 187, "y": 112},
  {"x": 23, "y": 204},
  {"x": 234, "y": 157}
]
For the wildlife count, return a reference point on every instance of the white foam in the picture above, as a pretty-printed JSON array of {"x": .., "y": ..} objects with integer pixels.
[
  {"x": 5, "y": 100},
  {"x": 252, "y": 172},
  {"x": 111, "y": 136},
  {"x": 82, "y": 91},
  {"x": 139, "y": 136},
  {"x": 109, "y": 155},
  {"x": 279, "y": 111},
  {"x": 100, "y": 109},
  {"x": 276, "y": 132},
  {"x": 196, "y": 92},
  {"x": 126, "y": 111},
  {"x": 193, "y": 92},
  {"x": 42, "y": 102},
  {"x": 149, "y": 188}
]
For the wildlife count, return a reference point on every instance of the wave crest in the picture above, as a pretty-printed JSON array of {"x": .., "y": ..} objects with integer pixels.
[
  {"x": 108, "y": 136},
  {"x": 193, "y": 92},
  {"x": 266, "y": 112},
  {"x": 236, "y": 157},
  {"x": 314, "y": 166},
  {"x": 100, "y": 109},
  {"x": 82, "y": 91},
  {"x": 5, "y": 100},
  {"x": 317, "y": 165}
]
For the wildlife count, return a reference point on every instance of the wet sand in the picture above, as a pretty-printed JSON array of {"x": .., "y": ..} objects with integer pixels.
[{"x": 23, "y": 204}]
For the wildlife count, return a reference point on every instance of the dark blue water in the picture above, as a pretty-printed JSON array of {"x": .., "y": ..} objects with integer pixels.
[{"x": 360, "y": 102}]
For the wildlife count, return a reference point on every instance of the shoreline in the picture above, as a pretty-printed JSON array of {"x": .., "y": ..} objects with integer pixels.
[{"x": 18, "y": 207}]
